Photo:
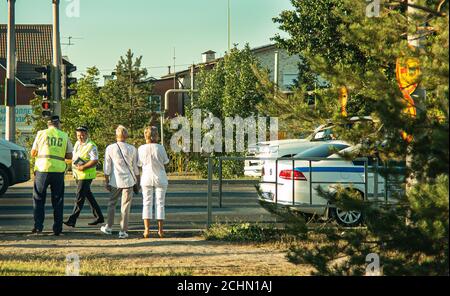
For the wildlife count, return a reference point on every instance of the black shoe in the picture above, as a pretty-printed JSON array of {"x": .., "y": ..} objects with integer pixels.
[
  {"x": 70, "y": 224},
  {"x": 36, "y": 231},
  {"x": 95, "y": 222},
  {"x": 57, "y": 233}
]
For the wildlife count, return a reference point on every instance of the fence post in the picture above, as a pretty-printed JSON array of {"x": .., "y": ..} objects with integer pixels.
[
  {"x": 293, "y": 183},
  {"x": 375, "y": 178},
  {"x": 220, "y": 182},
  {"x": 276, "y": 181},
  {"x": 366, "y": 177},
  {"x": 386, "y": 180},
  {"x": 209, "y": 196},
  {"x": 310, "y": 182}
]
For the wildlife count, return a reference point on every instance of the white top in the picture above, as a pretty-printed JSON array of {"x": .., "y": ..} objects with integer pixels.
[
  {"x": 152, "y": 158},
  {"x": 93, "y": 153},
  {"x": 38, "y": 142},
  {"x": 115, "y": 167}
]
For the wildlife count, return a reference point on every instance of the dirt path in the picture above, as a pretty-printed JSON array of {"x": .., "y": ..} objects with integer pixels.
[{"x": 177, "y": 254}]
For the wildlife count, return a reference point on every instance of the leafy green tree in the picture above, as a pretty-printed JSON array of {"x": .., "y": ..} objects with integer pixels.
[
  {"x": 127, "y": 98},
  {"x": 230, "y": 89},
  {"x": 411, "y": 236}
]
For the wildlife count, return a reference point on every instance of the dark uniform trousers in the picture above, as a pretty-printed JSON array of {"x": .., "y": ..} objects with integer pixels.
[
  {"x": 41, "y": 183},
  {"x": 83, "y": 192}
]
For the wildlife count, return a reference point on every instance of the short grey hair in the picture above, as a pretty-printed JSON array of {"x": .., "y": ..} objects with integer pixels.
[{"x": 121, "y": 131}]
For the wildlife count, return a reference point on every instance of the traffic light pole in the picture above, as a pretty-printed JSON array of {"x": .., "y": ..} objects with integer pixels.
[
  {"x": 56, "y": 79},
  {"x": 10, "y": 83}
]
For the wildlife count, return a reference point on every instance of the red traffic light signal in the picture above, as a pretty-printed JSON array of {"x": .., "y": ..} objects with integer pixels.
[
  {"x": 46, "y": 109},
  {"x": 45, "y": 105}
]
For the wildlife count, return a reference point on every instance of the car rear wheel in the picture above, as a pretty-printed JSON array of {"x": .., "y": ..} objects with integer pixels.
[
  {"x": 4, "y": 181},
  {"x": 347, "y": 218}
]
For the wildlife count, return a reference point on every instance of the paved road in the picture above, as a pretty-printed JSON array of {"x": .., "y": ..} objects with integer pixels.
[{"x": 185, "y": 207}]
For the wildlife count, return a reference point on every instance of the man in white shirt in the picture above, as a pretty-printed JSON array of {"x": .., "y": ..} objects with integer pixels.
[{"x": 121, "y": 174}]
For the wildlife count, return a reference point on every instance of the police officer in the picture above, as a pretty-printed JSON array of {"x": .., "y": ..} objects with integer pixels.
[
  {"x": 84, "y": 162},
  {"x": 50, "y": 148}
]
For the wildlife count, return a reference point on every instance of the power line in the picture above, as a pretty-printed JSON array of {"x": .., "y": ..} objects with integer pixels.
[{"x": 149, "y": 67}]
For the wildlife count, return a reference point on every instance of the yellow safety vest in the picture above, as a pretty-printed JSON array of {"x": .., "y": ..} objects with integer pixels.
[
  {"x": 83, "y": 154},
  {"x": 52, "y": 151}
]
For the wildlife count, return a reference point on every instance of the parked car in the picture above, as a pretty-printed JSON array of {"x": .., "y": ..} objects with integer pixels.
[
  {"x": 14, "y": 165},
  {"x": 291, "y": 147},
  {"x": 296, "y": 190},
  {"x": 273, "y": 149}
]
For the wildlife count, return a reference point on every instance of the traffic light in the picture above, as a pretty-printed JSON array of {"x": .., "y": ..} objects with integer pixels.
[
  {"x": 66, "y": 81},
  {"x": 43, "y": 84},
  {"x": 46, "y": 109}
]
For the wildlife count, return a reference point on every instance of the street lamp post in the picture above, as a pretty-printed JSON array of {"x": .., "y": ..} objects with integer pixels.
[
  {"x": 56, "y": 60},
  {"x": 10, "y": 83}
]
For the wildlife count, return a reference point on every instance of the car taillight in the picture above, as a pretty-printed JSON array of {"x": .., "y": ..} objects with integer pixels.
[{"x": 288, "y": 175}]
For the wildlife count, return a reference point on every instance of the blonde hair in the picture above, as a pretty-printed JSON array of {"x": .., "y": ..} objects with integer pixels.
[
  {"x": 151, "y": 134},
  {"x": 121, "y": 131}
]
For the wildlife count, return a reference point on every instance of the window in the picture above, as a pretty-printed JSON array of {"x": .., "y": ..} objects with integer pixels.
[
  {"x": 289, "y": 79},
  {"x": 155, "y": 103},
  {"x": 322, "y": 150}
]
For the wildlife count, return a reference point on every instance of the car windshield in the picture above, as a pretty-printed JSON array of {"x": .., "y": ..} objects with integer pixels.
[
  {"x": 323, "y": 135},
  {"x": 322, "y": 150}
]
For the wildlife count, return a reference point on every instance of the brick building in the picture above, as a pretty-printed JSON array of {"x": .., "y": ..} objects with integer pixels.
[
  {"x": 287, "y": 72},
  {"x": 33, "y": 48}
]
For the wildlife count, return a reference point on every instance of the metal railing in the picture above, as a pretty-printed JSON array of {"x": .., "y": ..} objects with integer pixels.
[
  {"x": 367, "y": 169},
  {"x": 292, "y": 159}
]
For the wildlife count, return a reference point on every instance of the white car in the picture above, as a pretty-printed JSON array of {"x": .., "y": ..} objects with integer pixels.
[
  {"x": 296, "y": 190},
  {"x": 283, "y": 148},
  {"x": 14, "y": 165},
  {"x": 279, "y": 148},
  {"x": 291, "y": 147}
]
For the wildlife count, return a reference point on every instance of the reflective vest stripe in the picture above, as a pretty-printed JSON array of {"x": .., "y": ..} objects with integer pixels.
[{"x": 52, "y": 157}]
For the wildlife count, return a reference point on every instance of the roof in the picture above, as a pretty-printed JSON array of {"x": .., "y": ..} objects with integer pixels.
[
  {"x": 33, "y": 47},
  {"x": 254, "y": 50}
]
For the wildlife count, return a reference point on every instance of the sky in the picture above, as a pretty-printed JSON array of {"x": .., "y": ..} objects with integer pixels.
[{"x": 103, "y": 30}]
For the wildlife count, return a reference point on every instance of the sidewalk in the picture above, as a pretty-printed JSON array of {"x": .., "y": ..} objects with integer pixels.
[{"x": 100, "y": 181}]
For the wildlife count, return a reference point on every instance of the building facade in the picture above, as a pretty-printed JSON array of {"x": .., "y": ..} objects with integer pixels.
[{"x": 269, "y": 57}]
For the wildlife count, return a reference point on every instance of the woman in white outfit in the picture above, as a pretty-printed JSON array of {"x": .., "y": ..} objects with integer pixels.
[{"x": 152, "y": 158}]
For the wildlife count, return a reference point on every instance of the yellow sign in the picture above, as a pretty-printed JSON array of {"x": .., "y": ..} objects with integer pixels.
[
  {"x": 408, "y": 76},
  {"x": 343, "y": 99}
]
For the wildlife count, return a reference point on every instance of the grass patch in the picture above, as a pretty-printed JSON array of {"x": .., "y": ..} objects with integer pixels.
[
  {"x": 88, "y": 267},
  {"x": 243, "y": 232}
]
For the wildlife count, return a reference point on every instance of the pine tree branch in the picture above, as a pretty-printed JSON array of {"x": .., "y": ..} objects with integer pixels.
[{"x": 424, "y": 8}]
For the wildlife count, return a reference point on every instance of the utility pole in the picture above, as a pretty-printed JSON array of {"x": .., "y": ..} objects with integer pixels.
[
  {"x": 229, "y": 27},
  {"x": 10, "y": 83},
  {"x": 418, "y": 94},
  {"x": 56, "y": 60}
]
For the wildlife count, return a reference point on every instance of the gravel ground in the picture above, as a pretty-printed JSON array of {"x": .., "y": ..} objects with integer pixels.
[{"x": 176, "y": 254}]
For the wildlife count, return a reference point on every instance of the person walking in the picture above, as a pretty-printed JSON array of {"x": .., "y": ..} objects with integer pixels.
[
  {"x": 152, "y": 158},
  {"x": 51, "y": 148},
  {"x": 121, "y": 175},
  {"x": 84, "y": 162}
]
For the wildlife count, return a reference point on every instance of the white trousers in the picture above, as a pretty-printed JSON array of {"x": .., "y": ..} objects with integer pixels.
[{"x": 160, "y": 197}]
